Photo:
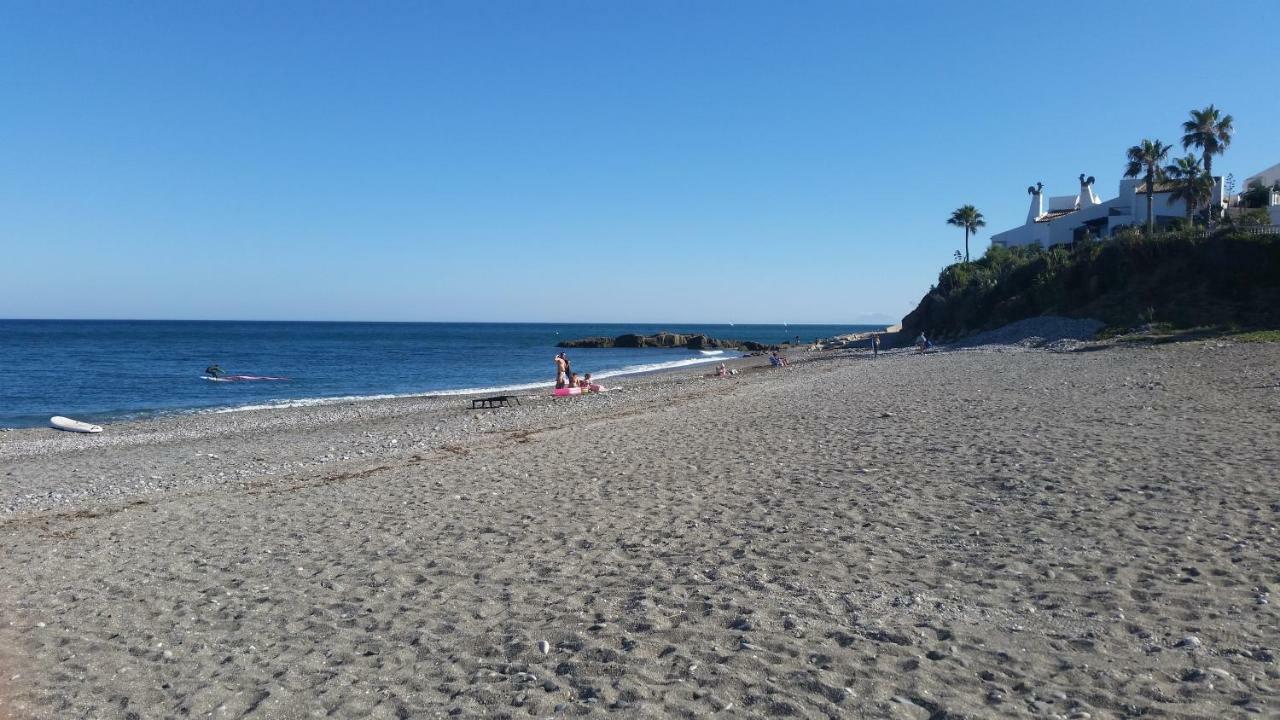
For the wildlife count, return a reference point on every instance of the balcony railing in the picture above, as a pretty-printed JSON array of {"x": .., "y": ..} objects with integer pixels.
[{"x": 1238, "y": 230}]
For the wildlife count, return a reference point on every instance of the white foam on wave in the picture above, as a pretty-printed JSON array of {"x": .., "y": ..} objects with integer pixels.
[
  {"x": 653, "y": 367},
  {"x": 711, "y": 352},
  {"x": 314, "y": 402}
]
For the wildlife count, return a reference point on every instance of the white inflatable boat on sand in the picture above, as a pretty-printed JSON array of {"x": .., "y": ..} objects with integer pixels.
[{"x": 63, "y": 423}]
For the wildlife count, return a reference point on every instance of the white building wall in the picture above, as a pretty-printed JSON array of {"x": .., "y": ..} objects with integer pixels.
[
  {"x": 1015, "y": 237},
  {"x": 1268, "y": 177},
  {"x": 1129, "y": 208},
  {"x": 1162, "y": 206}
]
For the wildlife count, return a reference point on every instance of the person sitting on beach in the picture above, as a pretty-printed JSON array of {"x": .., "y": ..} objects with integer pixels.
[
  {"x": 214, "y": 371},
  {"x": 774, "y": 360},
  {"x": 585, "y": 381},
  {"x": 722, "y": 371}
]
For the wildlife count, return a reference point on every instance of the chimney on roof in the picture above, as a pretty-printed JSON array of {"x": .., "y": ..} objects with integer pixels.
[
  {"x": 1037, "y": 202},
  {"x": 1087, "y": 196}
]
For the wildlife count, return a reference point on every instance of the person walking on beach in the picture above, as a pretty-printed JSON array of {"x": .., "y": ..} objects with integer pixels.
[
  {"x": 562, "y": 370},
  {"x": 921, "y": 343},
  {"x": 875, "y": 346}
]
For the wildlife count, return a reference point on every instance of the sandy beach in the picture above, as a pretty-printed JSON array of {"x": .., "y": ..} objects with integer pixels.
[{"x": 988, "y": 532}]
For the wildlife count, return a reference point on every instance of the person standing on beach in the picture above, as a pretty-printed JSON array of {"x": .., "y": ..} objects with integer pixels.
[
  {"x": 875, "y": 346},
  {"x": 921, "y": 343},
  {"x": 562, "y": 370}
]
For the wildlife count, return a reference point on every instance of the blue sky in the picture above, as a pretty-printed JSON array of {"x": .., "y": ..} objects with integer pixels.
[{"x": 570, "y": 161}]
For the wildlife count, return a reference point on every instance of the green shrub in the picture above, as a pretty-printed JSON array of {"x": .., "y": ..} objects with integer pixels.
[
  {"x": 1254, "y": 218},
  {"x": 1179, "y": 278},
  {"x": 1257, "y": 336},
  {"x": 1256, "y": 196}
]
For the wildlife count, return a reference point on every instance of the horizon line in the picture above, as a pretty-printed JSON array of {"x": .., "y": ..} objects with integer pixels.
[{"x": 435, "y": 322}]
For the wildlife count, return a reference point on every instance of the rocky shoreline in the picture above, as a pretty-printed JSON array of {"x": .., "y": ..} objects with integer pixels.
[{"x": 667, "y": 340}]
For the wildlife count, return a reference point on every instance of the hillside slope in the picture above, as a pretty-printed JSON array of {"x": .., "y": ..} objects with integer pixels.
[{"x": 1227, "y": 279}]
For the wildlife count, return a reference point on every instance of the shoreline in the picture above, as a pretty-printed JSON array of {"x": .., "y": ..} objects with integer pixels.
[
  {"x": 147, "y": 372},
  {"x": 522, "y": 390},
  {"x": 158, "y": 415},
  {"x": 447, "y": 413},
  {"x": 450, "y": 418}
]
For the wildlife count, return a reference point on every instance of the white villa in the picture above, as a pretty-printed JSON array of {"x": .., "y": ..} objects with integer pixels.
[
  {"x": 1268, "y": 179},
  {"x": 1070, "y": 218}
]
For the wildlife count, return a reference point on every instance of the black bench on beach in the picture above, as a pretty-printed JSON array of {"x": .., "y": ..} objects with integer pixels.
[{"x": 495, "y": 402}]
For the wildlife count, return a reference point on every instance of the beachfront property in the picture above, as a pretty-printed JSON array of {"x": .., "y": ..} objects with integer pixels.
[
  {"x": 1266, "y": 178},
  {"x": 1269, "y": 178},
  {"x": 1070, "y": 218}
]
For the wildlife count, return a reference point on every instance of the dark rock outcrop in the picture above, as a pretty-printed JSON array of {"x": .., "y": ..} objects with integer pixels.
[
  {"x": 666, "y": 340},
  {"x": 590, "y": 342}
]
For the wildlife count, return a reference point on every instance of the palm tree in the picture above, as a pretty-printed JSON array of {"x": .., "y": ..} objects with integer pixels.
[
  {"x": 1191, "y": 184},
  {"x": 1146, "y": 157},
  {"x": 970, "y": 219},
  {"x": 1209, "y": 130}
]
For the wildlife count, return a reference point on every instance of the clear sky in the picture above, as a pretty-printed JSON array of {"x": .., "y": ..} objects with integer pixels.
[{"x": 705, "y": 161}]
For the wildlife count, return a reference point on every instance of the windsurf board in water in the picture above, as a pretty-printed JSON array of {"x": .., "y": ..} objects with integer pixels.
[
  {"x": 64, "y": 423},
  {"x": 243, "y": 378}
]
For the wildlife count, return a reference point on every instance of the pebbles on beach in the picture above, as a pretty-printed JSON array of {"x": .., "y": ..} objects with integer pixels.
[
  {"x": 1049, "y": 331},
  {"x": 964, "y": 534}
]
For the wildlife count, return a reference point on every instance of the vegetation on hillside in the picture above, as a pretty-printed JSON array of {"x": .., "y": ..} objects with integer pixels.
[
  {"x": 1181, "y": 277},
  {"x": 1229, "y": 278}
]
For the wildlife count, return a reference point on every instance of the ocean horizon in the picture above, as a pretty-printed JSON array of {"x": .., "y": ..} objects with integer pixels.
[{"x": 114, "y": 370}]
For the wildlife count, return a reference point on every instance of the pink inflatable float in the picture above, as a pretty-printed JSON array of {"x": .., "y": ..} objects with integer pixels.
[{"x": 562, "y": 392}]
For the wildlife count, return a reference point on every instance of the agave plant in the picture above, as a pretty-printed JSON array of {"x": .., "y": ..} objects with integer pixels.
[{"x": 1145, "y": 157}]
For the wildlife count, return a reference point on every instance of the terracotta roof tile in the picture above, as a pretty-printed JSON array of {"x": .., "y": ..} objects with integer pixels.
[{"x": 1054, "y": 215}]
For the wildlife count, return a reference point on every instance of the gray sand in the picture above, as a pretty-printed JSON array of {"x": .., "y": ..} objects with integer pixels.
[{"x": 965, "y": 534}]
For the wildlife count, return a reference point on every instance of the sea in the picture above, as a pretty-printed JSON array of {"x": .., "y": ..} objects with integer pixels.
[{"x": 111, "y": 370}]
